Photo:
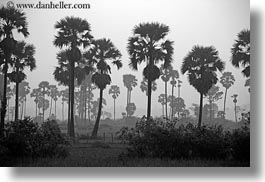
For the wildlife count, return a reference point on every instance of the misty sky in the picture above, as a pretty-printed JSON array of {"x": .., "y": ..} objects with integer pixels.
[{"x": 191, "y": 22}]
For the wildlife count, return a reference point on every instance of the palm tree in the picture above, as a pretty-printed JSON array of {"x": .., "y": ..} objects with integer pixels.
[
  {"x": 177, "y": 105},
  {"x": 102, "y": 51},
  {"x": 24, "y": 90},
  {"x": 165, "y": 76},
  {"x": 227, "y": 80},
  {"x": 148, "y": 44},
  {"x": 235, "y": 101},
  {"x": 23, "y": 57},
  {"x": 64, "y": 94},
  {"x": 10, "y": 19},
  {"x": 115, "y": 91},
  {"x": 54, "y": 94},
  {"x": 72, "y": 33},
  {"x": 9, "y": 94},
  {"x": 241, "y": 52},
  {"x": 201, "y": 65},
  {"x": 44, "y": 87},
  {"x": 162, "y": 100},
  {"x": 129, "y": 82},
  {"x": 36, "y": 93},
  {"x": 144, "y": 86},
  {"x": 130, "y": 109},
  {"x": 174, "y": 74}
]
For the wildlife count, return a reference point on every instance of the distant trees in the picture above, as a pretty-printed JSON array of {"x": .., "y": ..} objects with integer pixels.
[
  {"x": 201, "y": 65},
  {"x": 148, "y": 44},
  {"x": 227, "y": 80},
  {"x": 235, "y": 108},
  {"x": 36, "y": 93},
  {"x": 115, "y": 92},
  {"x": 72, "y": 33},
  {"x": 101, "y": 52},
  {"x": 129, "y": 82},
  {"x": 10, "y": 19},
  {"x": 174, "y": 74},
  {"x": 162, "y": 101},
  {"x": 44, "y": 89},
  {"x": 213, "y": 95}
]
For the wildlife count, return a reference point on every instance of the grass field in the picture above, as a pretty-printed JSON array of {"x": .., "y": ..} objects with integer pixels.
[{"x": 99, "y": 154}]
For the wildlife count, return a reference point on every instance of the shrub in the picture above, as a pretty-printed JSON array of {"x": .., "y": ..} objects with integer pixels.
[
  {"x": 24, "y": 138},
  {"x": 158, "y": 138}
]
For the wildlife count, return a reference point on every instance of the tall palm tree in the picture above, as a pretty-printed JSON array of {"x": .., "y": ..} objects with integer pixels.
[
  {"x": 102, "y": 51},
  {"x": 165, "y": 76},
  {"x": 129, "y": 82},
  {"x": 44, "y": 87},
  {"x": 72, "y": 33},
  {"x": 162, "y": 100},
  {"x": 23, "y": 57},
  {"x": 235, "y": 101},
  {"x": 174, "y": 74},
  {"x": 36, "y": 93},
  {"x": 148, "y": 44},
  {"x": 241, "y": 52},
  {"x": 144, "y": 86},
  {"x": 227, "y": 80},
  {"x": 115, "y": 91},
  {"x": 201, "y": 65},
  {"x": 10, "y": 19}
]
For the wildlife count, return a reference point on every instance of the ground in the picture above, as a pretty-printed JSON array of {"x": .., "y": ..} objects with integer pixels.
[{"x": 100, "y": 154}]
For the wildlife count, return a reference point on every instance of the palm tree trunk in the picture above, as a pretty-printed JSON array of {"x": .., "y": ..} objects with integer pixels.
[
  {"x": 162, "y": 110},
  {"x": 16, "y": 101},
  {"x": 50, "y": 108},
  {"x": 3, "y": 109},
  {"x": 8, "y": 110},
  {"x": 25, "y": 113},
  {"x": 114, "y": 109},
  {"x": 95, "y": 130},
  {"x": 166, "y": 97},
  {"x": 85, "y": 105},
  {"x": 36, "y": 109},
  {"x": 43, "y": 111},
  {"x": 127, "y": 101},
  {"x": 235, "y": 113},
  {"x": 55, "y": 109},
  {"x": 225, "y": 101},
  {"x": 63, "y": 110},
  {"x": 200, "y": 113},
  {"x": 149, "y": 91},
  {"x": 22, "y": 109},
  {"x": 172, "y": 102},
  {"x": 72, "y": 73}
]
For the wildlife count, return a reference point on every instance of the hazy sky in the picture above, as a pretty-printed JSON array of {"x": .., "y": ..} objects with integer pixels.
[{"x": 191, "y": 22}]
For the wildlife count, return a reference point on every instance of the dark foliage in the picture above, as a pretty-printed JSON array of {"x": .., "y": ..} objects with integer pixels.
[
  {"x": 161, "y": 139},
  {"x": 24, "y": 138}
]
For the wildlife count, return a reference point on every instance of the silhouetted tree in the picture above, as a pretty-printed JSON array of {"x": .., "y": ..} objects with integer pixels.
[
  {"x": 241, "y": 52},
  {"x": 129, "y": 82},
  {"x": 162, "y": 101},
  {"x": 213, "y": 95},
  {"x": 235, "y": 101},
  {"x": 115, "y": 91},
  {"x": 148, "y": 44},
  {"x": 10, "y": 19},
  {"x": 144, "y": 86},
  {"x": 99, "y": 55},
  {"x": 36, "y": 93},
  {"x": 23, "y": 57},
  {"x": 44, "y": 87},
  {"x": 201, "y": 65},
  {"x": 72, "y": 33},
  {"x": 227, "y": 80},
  {"x": 174, "y": 74}
]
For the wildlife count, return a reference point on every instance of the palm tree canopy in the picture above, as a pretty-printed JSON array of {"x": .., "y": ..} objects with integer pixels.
[
  {"x": 201, "y": 65},
  {"x": 115, "y": 91},
  {"x": 227, "y": 79},
  {"x": 148, "y": 44},
  {"x": 241, "y": 52},
  {"x": 162, "y": 99},
  {"x": 214, "y": 94},
  {"x": 129, "y": 81},
  {"x": 102, "y": 51},
  {"x": 165, "y": 73},
  {"x": 11, "y": 19},
  {"x": 72, "y": 31}
]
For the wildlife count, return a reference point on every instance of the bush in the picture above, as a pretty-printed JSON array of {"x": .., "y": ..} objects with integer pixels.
[
  {"x": 24, "y": 138},
  {"x": 153, "y": 138}
]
